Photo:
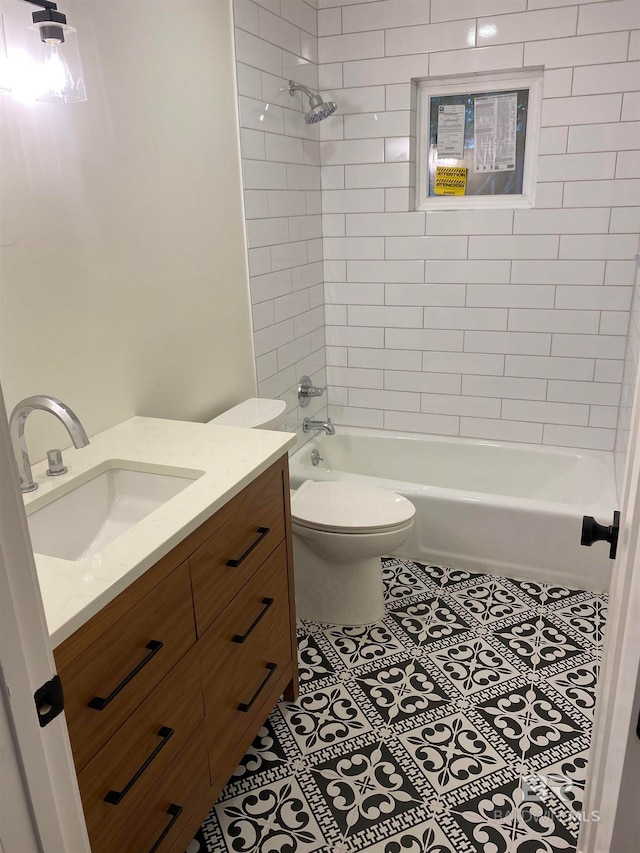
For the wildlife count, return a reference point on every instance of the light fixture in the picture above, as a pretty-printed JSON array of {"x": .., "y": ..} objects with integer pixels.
[{"x": 61, "y": 79}]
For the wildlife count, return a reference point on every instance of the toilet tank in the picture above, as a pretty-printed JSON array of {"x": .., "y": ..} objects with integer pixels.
[{"x": 254, "y": 413}]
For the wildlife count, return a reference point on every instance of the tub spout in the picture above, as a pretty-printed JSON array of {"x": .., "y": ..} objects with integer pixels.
[{"x": 309, "y": 425}]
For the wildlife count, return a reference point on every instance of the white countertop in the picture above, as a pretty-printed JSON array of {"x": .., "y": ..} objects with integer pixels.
[{"x": 230, "y": 457}]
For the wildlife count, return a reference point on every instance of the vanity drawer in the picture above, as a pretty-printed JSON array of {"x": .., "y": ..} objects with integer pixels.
[
  {"x": 172, "y": 805},
  {"x": 116, "y": 780},
  {"x": 247, "y": 530},
  {"x": 238, "y": 676},
  {"x": 116, "y": 672}
]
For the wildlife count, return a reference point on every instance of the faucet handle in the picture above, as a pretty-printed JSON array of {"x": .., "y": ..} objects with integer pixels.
[
  {"x": 307, "y": 390},
  {"x": 56, "y": 465}
]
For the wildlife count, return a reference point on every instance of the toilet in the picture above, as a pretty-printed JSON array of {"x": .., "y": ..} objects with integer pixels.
[
  {"x": 254, "y": 413},
  {"x": 340, "y": 531}
]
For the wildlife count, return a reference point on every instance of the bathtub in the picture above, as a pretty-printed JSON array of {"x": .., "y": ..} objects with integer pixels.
[{"x": 507, "y": 509}]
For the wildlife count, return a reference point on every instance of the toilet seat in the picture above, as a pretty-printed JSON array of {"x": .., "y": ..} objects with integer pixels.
[{"x": 341, "y": 507}]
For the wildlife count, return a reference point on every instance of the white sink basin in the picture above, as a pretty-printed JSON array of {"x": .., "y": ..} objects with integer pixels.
[{"x": 95, "y": 512}]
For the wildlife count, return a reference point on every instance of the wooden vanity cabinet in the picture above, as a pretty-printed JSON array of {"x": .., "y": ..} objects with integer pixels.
[{"x": 166, "y": 687}]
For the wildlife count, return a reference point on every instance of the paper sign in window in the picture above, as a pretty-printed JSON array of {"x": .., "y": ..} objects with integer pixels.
[
  {"x": 451, "y": 131},
  {"x": 494, "y": 130},
  {"x": 450, "y": 180}
]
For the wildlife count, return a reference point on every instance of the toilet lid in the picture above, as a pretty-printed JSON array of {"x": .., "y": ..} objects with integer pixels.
[
  {"x": 254, "y": 412},
  {"x": 340, "y": 507}
]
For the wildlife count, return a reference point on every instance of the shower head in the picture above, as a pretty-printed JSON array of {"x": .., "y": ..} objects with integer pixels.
[{"x": 319, "y": 109}]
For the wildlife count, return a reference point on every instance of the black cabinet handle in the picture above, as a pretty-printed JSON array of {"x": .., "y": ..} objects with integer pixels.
[
  {"x": 240, "y": 638},
  {"x": 175, "y": 812},
  {"x": 99, "y": 704},
  {"x": 272, "y": 668},
  {"x": 262, "y": 531},
  {"x": 115, "y": 797}
]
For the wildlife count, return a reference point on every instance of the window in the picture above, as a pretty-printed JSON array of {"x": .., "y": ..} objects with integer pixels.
[{"x": 477, "y": 140}]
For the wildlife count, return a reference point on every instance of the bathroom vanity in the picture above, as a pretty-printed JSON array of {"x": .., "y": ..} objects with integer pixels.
[{"x": 167, "y": 684}]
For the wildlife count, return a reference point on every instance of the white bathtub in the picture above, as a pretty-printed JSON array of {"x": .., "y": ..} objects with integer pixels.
[{"x": 503, "y": 508}]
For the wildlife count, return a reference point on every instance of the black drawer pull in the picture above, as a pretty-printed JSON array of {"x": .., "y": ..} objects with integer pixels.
[
  {"x": 272, "y": 668},
  {"x": 263, "y": 532},
  {"x": 99, "y": 704},
  {"x": 115, "y": 797},
  {"x": 175, "y": 811},
  {"x": 240, "y": 638}
]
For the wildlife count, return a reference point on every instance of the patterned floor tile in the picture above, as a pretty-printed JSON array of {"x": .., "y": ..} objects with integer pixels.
[
  {"x": 588, "y": 617},
  {"x": 277, "y": 817},
  {"x": 473, "y": 665},
  {"x": 445, "y": 576},
  {"x": 450, "y": 752},
  {"x": 199, "y": 844},
  {"x": 313, "y": 663},
  {"x": 363, "y": 645},
  {"x": 425, "y": 837},
  {"x": 324, "y": 717},
  {"x": 402, "y": 581},
  {"x": 489, "y": 602},
  {"x": 528, "y": 721},
  {"x": 364, "y": 787},
  {"x": 578, "y": 685},
  {"x": 538, "y": 642},
  {"x": 265, "y": 752},
  {"x": 504, "y": 821},
  {"x": 402, "y": 690},
  {"x": 544, "y": 594},
  {"x": 429, "y": 621},
  {"x": 564, "y": 779},
  {"x": 459, "y": 723}
]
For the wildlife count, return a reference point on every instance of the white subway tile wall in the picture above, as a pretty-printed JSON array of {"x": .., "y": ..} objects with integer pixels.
[
  {"x": 497, "y": 324},
  {"x": 277, "y": 40},
  {"x": 492, "y": 324}
]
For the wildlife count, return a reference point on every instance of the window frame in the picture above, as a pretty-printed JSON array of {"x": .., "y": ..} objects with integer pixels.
[{"x": 469, "y": 84}]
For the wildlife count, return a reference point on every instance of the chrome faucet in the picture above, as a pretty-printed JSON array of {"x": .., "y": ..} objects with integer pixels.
[
  {"x": 16, "y": 429},
  {"x": 309, "y": 425},
  {"x": 307, "y": 390}
]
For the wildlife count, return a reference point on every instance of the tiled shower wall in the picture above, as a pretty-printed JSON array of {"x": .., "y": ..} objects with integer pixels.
[
  {"x": 276, "y": 40},
  {"x": 493, "y": 324}
]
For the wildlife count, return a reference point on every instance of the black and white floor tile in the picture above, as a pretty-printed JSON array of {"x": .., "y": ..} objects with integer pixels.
[{"x": 458, "y": 723}]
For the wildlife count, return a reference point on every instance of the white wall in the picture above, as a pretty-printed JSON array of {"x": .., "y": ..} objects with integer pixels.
[
  {"x": 16, "y": 825},
  {"x": 489, "y": 324},
  {"x": 123, "y": 272},
  {"x": 276, "y": 40},
  {"x": 628, "y": 384}
]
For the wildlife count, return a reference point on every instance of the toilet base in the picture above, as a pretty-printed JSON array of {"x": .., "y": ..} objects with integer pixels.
[{"x": 347, "y": 593}]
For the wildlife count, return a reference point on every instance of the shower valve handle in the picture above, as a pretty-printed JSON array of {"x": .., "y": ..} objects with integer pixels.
[{"x": 307, "y": 390}]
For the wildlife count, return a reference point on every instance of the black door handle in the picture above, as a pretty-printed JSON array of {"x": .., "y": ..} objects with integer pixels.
[{"x": 594, "y": 532}]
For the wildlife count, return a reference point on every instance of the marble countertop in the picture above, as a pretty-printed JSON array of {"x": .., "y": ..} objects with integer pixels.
[{"x": 228, "y": 457}]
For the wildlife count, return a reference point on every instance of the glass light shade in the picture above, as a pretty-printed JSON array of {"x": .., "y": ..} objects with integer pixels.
[{"x": 60, "y": 75}]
